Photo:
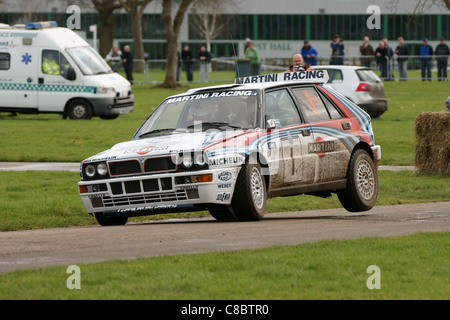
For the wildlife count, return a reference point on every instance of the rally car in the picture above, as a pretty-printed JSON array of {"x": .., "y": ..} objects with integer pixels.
[{"x": 229, "y": 148}]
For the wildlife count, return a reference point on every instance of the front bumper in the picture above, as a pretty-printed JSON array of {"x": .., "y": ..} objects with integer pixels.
[
  {"x": 150, "y": 194},
  {"x": 112, "y": 106}
]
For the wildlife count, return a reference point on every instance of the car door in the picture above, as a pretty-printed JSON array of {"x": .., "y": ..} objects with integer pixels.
[
  {"x": 332, "y": 143},
  {"x": 290, "y": 137}
]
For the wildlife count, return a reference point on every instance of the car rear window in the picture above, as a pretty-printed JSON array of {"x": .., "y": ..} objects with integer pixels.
[{"x": 367, "y": 76}]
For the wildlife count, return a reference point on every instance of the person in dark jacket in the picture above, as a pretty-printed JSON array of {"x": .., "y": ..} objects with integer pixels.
[
  {"x": 426, "y": 53},
  {"x": 381, "y": 54},
  {"x": 127, "y": 60},
  {"x": 186, "y": 56},
  {"x": 402, "y": 52},
  {"x": 442, "y": 52}
]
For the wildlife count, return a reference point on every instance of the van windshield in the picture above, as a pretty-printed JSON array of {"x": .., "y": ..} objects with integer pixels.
[{"x": 89, "y": 61}]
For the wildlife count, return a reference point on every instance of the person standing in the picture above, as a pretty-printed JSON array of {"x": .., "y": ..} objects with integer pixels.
[
  {"x": 337, "y": 50},
  {"x": 426, "y": 53},
  {"x": 367, "y": 52},
  {"x": 127, "y": 60},
  {"x": 205, "y": 63},
  {"x": 402, "y": 52},
  {"x": 186, "y": 56},
  {"x": 309, "y": 54},
  {"x": 442, "y": 52},
  {"x": 390, "y": 54},
  {"x": 380, "y": 57},
  {"x": 255, "y": 60},
  {"x": 114, "y": 57}
]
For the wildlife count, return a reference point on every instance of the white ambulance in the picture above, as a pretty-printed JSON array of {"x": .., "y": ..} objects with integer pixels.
[{"x": 48, "y": 69}]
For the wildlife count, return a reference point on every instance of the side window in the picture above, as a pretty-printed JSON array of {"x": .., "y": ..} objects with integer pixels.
[
  {"x": 311, "y": 105},
  {"x": 335, "y": 75},
  {"x": 332, "y": 110},
  {"x": 5, "y": 61},
  {"x": 50, "y": 62},
  {"x": 281, "y": 108}
]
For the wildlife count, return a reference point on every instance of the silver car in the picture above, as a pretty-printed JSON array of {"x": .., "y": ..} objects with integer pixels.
[{"x": 360, "y": 85}]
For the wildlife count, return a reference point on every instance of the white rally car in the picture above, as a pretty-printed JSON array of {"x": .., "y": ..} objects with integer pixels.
[{"x": 229, "y": 148}]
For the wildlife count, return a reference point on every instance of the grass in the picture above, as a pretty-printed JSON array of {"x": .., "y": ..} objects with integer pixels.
[
  {"x": 411, "y": 267},
  {"x": 50, "y": 199}
]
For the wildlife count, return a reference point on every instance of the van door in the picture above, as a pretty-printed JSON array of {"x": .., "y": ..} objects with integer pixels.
[{"x": 57, "y": 81}]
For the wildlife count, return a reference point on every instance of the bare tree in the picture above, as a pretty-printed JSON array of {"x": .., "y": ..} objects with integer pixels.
[
  {"x": 172, "y": 31},
  {"x": 135, "y": 8},
  {"x": 208, "y": 19},
  {"x": 422, "y": 5},
  {"x": 106, "y": 10}
]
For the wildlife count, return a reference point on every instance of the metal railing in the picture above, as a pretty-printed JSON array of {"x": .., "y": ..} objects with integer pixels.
[{"x": 225, "y": 69}]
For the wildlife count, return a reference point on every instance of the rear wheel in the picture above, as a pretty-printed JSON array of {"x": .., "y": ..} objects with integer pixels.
[
  {"x": 110, "y": 221},
  {"x": 250, "y": 195},
  {"x": 362, "y": 183}
]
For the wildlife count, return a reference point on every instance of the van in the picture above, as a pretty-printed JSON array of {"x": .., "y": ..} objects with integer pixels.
[{"x": 48, "y": 69}]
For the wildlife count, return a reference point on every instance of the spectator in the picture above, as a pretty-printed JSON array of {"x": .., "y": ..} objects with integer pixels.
[
  {"x": 247, "y": 44},
  {"x": 255, "y": 60},
  {"x": 426, "y": 53},
  {"x": 114, "y": 58},
  {"x": 337, "y": 50},
  {"x": 442, "y": 52},
  {"x": 402, "y": 52},
  {"x": 205, "y": 64},
  {"x": 366, "y": 50},
  {"x": 127, "y": 60},
  {"x": 298, "y": 63},
  {"x": 381, "y": 59},
  {"x": 178, "y": 65},
  {"x": 186, "y": 56},
  {"x": 390, "y": 54},
  {"x": 309, "y": 54}
]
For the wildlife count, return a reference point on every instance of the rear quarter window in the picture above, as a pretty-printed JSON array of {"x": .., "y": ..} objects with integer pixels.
[{"x": 367, "y": 76}]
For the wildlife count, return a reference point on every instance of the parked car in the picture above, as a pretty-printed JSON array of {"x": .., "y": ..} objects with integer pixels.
[
  {"x": 228, "y": 148},
  {"x": 360, "y": 85}
]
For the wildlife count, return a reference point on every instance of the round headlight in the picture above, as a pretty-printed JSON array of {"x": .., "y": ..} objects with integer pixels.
[
  {"x": 102, "y": 169},
  {"x": 187, "y": 161},
  {"x": 89, "y": 171},
  {"x": 200, "y": 159}
]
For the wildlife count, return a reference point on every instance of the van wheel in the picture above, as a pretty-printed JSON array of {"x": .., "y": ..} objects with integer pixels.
[
  {"x": 362, "y": 183},
  {"x": 110, "y": 221},
  {"x": 250, "y": 195},
  {"x": 79, "y": 109}
]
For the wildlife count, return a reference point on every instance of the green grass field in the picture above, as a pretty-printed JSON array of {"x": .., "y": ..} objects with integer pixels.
[{"x": 413, "y": 267}]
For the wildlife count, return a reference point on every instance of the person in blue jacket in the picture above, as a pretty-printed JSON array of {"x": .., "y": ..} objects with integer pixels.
[
  {"x": 426, "y": 53},
  {"x": 309, "y": 54}
]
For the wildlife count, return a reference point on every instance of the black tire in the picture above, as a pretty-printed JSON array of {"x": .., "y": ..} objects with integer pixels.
[
  {"x": 79, "y": 109},
  {"x": 250, "y": 194},
  {"x": 110, "y": 221},
  {"x": 362, "y": 183},
  {"x": 222, "y": 213}
]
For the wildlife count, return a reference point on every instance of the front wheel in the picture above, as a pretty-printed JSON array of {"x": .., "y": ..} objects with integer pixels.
[
  {"x": 250, "y": 194},
  {"x": 79, "y": 109},
  {"x": 362, "y": 183}
]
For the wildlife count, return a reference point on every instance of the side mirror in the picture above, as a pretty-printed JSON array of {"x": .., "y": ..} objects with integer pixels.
[
  {"x": 271, "y": 124},
  {"x": 71, "y": 75}
]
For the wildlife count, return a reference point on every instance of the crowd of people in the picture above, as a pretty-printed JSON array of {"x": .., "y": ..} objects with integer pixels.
[{"x": 379, "y": 58}]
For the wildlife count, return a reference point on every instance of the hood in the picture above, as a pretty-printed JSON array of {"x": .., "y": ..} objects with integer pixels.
[
  {"x": 111, "y": 80},
  {"x": 173, "y": 143}
]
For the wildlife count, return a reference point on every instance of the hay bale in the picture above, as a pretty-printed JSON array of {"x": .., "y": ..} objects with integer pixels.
[{"x": 433, "y": 143}]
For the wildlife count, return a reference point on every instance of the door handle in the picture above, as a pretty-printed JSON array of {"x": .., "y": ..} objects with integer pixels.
[
  {"x": 306, "y": 132},
  {"x": 346, "y": 125}
]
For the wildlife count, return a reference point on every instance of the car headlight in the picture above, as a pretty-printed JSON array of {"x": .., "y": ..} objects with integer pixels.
[
  {"x": 200, "y": 159},
  {"x": 105, "y": 90},
  {"x": 102, "y": 169},
  {"x": 89, "y": 171},
  {"x": 187, "y": 161}
]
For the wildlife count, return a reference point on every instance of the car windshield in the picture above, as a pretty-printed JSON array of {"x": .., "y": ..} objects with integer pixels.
[
  {"x": 221, "y": 110},
  {"x": 89, "y": 61}
]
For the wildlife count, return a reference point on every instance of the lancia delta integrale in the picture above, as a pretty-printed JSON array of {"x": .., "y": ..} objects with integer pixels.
[{"x": 229, "y": 148}]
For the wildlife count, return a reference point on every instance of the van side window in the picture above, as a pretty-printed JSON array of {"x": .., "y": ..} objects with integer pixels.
[
  {"x": 5, "y": 61},
  {"x": 50, "y": 62}
]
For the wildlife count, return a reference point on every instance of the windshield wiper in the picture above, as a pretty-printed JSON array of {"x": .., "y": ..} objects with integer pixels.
[
  {"x": 214, "y": 124},
  {"x": 155, "y": 131}
]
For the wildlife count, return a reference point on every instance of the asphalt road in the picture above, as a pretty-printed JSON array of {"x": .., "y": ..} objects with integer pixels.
[{"x": 66, "y": 246}]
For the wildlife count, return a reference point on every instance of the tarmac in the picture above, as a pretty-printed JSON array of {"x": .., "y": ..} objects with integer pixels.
[{"x": 75, "y": 166}]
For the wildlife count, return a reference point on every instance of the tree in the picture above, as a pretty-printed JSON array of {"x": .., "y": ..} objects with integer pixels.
[
  {"x": 208, "y": 19},
  {"x": 422, "y": 5},
  {"x": 106, "y": 10},
  {"x": 172, "y": 32},
  {"x": 135, "y": 8}
]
